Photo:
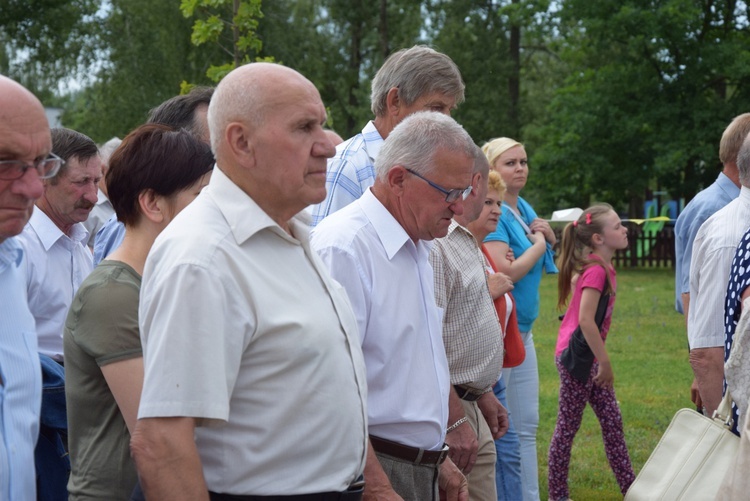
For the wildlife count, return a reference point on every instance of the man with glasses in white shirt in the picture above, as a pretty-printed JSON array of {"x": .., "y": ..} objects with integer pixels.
[
  {"x": 378, "y": 248},
  {"x": 25, "y": 159}
]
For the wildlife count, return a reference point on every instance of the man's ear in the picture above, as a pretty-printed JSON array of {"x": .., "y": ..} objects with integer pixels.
[
  {"x": 152, "y": 205},
  {"x": 393, "y": 102},
  {"x": 239, "y": 143},
  {"x": 475, "y": 184},
  {"x": 396, "y": 177}
]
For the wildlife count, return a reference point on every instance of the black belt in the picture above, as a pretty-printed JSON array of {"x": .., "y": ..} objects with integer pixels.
[
  {"x": 353, "y": 493},
  {"x": 465, "y": 393},
  {"x": 411, "y": 454}
]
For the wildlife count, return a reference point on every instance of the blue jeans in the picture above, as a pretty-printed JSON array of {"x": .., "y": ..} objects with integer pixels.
[
  {"x": 51, "y": 457},
  {"x": 522, "y": 384},
  {"x": 508, "y": 465}
]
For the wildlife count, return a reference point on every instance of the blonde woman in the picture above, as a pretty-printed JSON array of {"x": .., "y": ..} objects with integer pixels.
[{"x": 531, "y": 240}]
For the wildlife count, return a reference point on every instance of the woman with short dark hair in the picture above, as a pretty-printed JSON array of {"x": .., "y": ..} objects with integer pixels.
[{"x": 154, "y": 174}]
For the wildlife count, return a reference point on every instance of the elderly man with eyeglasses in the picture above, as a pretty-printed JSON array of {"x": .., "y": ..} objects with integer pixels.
[
  {"x": 25, "y": 159},
  {"x": 377, "y": 248}
]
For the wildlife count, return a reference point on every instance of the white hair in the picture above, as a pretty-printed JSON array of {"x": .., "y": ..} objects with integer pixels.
[{"x": 415, "y": 141}]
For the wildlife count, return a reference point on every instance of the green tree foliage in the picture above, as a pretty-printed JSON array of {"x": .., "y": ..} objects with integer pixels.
[
  {"x": 339, "y": 45},
  {"x": 230, "y": 24},
  {"x": 502, "y": 49},
  {"x": 651, "y": 85},
  {"x": 44, "y": 41},
  {"x": 148, "y": 54}
]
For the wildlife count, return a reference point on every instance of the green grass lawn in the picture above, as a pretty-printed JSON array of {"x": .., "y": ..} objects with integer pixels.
[{"x": 648, "y": 347}]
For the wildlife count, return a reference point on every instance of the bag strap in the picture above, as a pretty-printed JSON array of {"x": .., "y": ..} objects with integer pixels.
[
  {"x": 723, "y": 412},
  {"x": 601, "y": 308},
  {"x": 518, "y": 218}
]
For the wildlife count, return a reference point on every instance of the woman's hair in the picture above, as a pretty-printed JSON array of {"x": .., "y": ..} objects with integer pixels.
[
  {"x": 496, "y": 147},
  {"x": 154, "y": 157},
  {"x": 574, "y": 247},
  {"x": 495, "y": 183}
]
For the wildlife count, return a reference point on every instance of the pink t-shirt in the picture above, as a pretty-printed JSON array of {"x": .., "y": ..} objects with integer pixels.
[{"x": 594, "y": 277}]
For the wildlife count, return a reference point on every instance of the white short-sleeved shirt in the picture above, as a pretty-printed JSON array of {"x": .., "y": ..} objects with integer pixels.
[
  {"x": 57, "y": 264},
  {"x": 713, "y": 250},
  {"x": 243, "y": 329},
  {"x": 390, "y": 284}
]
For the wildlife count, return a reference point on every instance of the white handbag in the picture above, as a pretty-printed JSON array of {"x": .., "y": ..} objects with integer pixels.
[{"x": 691, "y": 459}]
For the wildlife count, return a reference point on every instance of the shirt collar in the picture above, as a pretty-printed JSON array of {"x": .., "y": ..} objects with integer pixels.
[
  {"x": 49, "y": 233},
  {"x": 390, "y": 232},
  {"x": 244, "y": 216},
  {"x": 101, "y": 198},
  {"x": 372, "y": 139},
  {"x": 455, "y": 226}
]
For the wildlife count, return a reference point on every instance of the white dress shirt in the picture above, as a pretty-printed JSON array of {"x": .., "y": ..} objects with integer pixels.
[
  {"x": 243, "y": 328},
  {"x": 390, "y": 284},
  {"x": 713, "y": 250},
  {"x": 56, "y": 266},
  {"x": 21, "y": 386}
]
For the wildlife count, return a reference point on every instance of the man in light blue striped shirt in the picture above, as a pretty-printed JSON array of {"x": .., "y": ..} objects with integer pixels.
[
  {"x": 25, "y": 159},
  {"x": 410, "y": 80}
]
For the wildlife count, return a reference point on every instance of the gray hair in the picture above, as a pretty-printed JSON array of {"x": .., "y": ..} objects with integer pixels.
[
  {"x": 743, "y": 162},
  {"x": 481, "y": 164},
  {"x": 105, "y": 150},
  {"x": 234, "y": 100},
  {"x": 415, "y": 141},
  {"x": 415, "y": 72}
]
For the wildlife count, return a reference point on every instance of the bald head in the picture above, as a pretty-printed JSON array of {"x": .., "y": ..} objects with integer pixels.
[
  {"x": 19, "y": 106},
  {"x": 266, "y": 123},
  {"x": 246, "y": 94},
  {"x": 24, "y": 136}
]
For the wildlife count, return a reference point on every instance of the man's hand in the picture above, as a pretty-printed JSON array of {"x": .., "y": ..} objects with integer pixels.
[
  {"x": 494, "y": 413},
  {"x": 452, "y": 483},
  {"x": 377, "y": 485},
  {"x": 499, "y": 283},
  {"x": 462, "y": 440},
  {"x": 463, "y": 445},
  {"x": 695, "y": 395}
]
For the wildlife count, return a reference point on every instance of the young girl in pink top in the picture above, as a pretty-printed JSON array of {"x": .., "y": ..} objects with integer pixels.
[{"x": 585, "y": 264}]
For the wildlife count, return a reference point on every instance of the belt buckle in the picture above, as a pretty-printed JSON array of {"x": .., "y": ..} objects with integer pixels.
[{"x": 443, "y": 454}]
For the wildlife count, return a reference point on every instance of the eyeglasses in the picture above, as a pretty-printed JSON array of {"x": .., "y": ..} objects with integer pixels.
[
  {"x": 15, "y": 169},
  {"x": 450, "y": 195}
]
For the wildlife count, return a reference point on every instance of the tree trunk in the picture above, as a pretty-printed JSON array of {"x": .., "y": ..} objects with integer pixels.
[
  {"x": 383, "y": 29},
  {"x": 514, "y": 86}
]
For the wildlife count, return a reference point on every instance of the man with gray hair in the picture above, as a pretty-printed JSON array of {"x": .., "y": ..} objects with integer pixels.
[
  {"x": 410, "y": 80},
  {"x": 713, "y": 250},
  {"x": 378, "y": 249},
  {"x": 236, "y": 310}
]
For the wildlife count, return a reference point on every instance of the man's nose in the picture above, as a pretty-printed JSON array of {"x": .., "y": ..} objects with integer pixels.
[{"x": 29, "y": 185}]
